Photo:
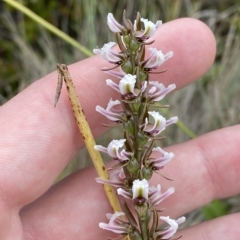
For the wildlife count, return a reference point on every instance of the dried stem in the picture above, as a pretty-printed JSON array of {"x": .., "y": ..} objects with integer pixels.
[{"x": 63, "y": 74}]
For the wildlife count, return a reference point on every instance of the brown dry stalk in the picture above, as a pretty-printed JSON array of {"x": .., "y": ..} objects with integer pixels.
[{"x": 63, "y": 74}]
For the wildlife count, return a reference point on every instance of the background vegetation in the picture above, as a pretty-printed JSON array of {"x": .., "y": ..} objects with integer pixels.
[{"x": 29, "y": 52}]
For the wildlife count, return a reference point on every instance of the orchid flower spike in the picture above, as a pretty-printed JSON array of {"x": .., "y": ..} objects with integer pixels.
[{"x": 137, "y": 155}]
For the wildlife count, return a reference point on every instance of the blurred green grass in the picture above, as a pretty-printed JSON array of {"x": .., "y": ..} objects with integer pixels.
[{"x": 29, "y": 52}]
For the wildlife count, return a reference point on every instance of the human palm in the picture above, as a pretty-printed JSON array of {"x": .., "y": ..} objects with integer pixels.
[{"x": 37, "y": 141}]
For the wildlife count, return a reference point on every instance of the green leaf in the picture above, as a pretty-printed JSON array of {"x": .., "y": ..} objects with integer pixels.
[{"x": 216, "y": 208}]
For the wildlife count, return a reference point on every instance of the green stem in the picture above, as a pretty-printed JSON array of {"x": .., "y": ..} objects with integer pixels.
[
  {"x": 48, "y": 26},
  {"x": 186, "y": 130},
  {"x": 144, "y": 230},
  {"x": 138, "y": 154}
]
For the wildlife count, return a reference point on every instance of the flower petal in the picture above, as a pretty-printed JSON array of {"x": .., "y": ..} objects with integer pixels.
[
  {"x": 127, "y": 84},
  {"x": 110, "y": 112},
  {"x": 156, "y": 59},
  {"x": 140, "y": 189},
  {"x": 115, "y": 223},
  {"x": 149, "y": 29},
  {"x": 159, "y": 91},
  {"x": 124, "y": 193},
  {"x": 113, "y": 25},
  {"x": 107, "y": 54},
  {"x": 158, "y": 126}
]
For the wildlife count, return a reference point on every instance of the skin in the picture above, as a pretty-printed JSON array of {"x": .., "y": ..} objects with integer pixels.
[{"x": 37, "y": 142}]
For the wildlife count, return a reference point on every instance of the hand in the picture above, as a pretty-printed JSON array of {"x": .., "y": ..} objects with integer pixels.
[{"x": 37, "y": 141}]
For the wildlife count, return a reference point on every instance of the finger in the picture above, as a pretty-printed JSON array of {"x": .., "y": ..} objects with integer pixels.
[
  {"x": 203, "y": 169},
  {"x": 45, "y": 139},
  {"x": 68, "y": 212},
  {"x": 221, "y": 228}
]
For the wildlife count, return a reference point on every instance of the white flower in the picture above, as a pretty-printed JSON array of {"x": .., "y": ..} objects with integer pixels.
[
  {"x": 140, "y": 189},
  {"x": 159, "y": 124},
  {"x": 110, "y": 112},
  {"x": 172, "y": 229},
  {"x": 155, "y": 195},
  {"x": 114, "y": 150},
  {"x": 127, "y": 86},
  {"x": 141, "y": 192},
  {"x": 107, "y": 54},
  {"x": 159, "y": 91},
  {"x": 114, "y": 147},
  {"x": 149, "y": 29},
  {"x": 156, "y": 58},
  {"x": 116, "y": 224},
  {"x": 156, "y": 163},
  {"x": 115, "y": 179},
  {"x": 113, "y": 25}
]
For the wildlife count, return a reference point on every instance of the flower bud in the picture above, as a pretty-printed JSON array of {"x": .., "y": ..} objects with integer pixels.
[
  {"x": 127, "y": 67},
  {"x": 141, "y": 140},
  {"x": 147, "y": 173},
  {"x": 126, "y": 40},
  {"x": 134, "y": 46},
  {"x": 133, "y": 167},
  {"x": 129, "y": 127}
]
